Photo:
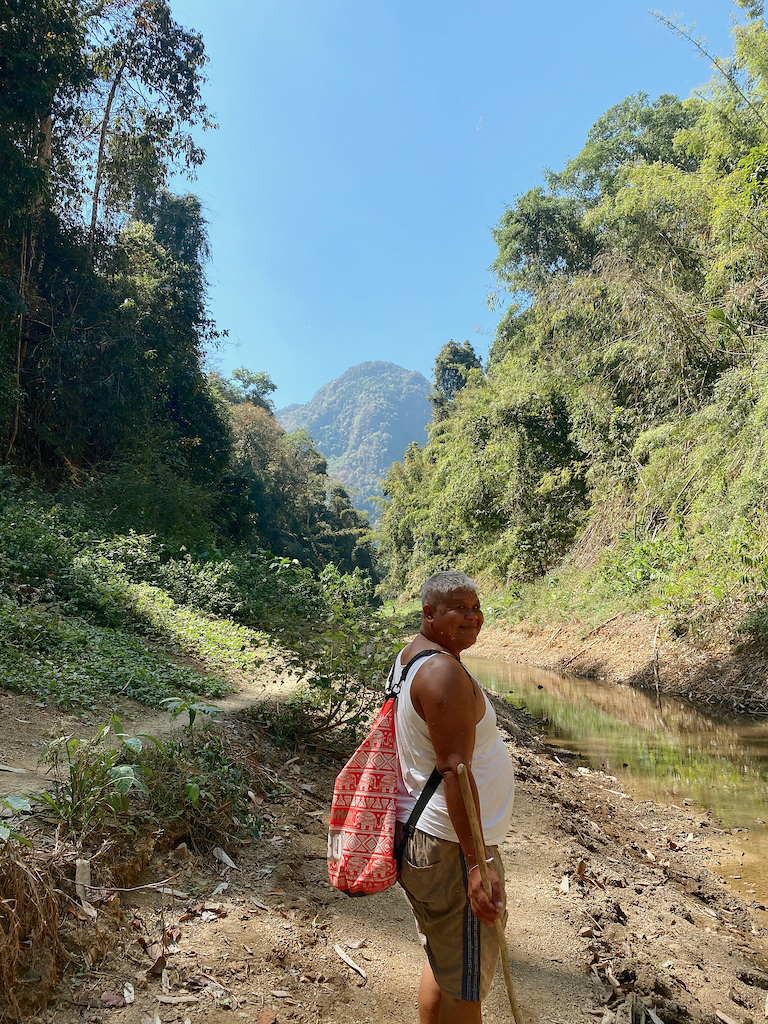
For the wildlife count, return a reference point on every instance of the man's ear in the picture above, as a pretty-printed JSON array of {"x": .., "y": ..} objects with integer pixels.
[{"x": 428, "y": 612}]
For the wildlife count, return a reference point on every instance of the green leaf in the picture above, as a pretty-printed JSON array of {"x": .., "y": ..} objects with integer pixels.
[
  {"x": 123, "y": 777},
  {"x": 17, "y": 803},
  {"x": 153, "y": 739}
]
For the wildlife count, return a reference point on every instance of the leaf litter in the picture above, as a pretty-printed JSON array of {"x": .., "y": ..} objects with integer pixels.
[{"x": 625, "y": 937}]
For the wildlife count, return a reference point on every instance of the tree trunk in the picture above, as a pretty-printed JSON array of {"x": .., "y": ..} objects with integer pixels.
[
  {"x": 29, "y": 243},
  {"x": 102, "y": 152}
]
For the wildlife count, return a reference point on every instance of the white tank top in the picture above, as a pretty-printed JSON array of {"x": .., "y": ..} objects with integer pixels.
[{"x": 491, "y": 767}]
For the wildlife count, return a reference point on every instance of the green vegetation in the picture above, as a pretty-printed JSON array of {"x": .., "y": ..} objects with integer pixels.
[
  {"x": 103, "y": 306},
  {"x": 187, "y": 780},
  {"x": 15, "y": 804},
  {"x": 363, "y": 422},
  {"x": 91, "y": 781},
  {"x": 162, "y": 536},
  {"x": 159, "y": 530},
  {"x": 453, "y": 366},
  {"x": 86, "y": 617},
  {"x": 611, "y": 455}
]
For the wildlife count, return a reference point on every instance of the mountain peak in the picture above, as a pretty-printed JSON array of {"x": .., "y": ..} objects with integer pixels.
[{"x": 363, "y": 421}]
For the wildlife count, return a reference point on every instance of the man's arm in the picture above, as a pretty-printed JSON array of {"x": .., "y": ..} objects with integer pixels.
[{"x": 444, "y": 696}]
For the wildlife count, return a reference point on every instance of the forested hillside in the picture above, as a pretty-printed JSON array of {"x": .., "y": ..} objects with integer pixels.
[
  {"x": 363, "y": 421},
  {"x": 614, "y": 447},
  {"x": 104, "y": 322},
  {"x": 151, "y": 510}
]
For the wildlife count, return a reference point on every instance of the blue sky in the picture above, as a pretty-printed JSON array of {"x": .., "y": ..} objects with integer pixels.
[{"x": 366, "y": 147}]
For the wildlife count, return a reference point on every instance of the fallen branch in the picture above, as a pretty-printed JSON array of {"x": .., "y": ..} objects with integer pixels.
[
  {"x": 350, "y": 962},
  {"x": 136, "y": 888},
  {"x": 558, "y": 630},
  {"x": 602, "y": 624}
]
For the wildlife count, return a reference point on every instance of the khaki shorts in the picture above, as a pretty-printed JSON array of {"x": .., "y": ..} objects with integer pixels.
[{"x": 462, "y": 952}]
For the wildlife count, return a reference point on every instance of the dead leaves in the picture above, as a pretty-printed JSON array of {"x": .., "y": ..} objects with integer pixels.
[
  {"x": 206, "y": 911},
  {"x": 223, "y": 858},
  {"x": 113, "y": 1000},
  {"x": 579, "y": 876},
  {"x": 677, "y": 847},
  {"x": 350, "y": 962},
  {"x": 172, "y": 934},
  {"x": 206, "y": 984}
]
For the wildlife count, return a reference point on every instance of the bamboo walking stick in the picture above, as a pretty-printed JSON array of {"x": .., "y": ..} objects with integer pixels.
[{"x": 477, "y": 839}]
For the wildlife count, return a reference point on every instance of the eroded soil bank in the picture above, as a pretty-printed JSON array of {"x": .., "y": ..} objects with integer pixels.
[
  {"x": 614, "y": 914},
  {"x": 634, "y": 649}
]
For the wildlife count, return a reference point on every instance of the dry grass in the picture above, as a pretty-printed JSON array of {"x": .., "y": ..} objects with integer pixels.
[
  {"x": 29, "y": 939},
  {"x": 608, "y": 521},
  {"x": 42, "y": 928}
]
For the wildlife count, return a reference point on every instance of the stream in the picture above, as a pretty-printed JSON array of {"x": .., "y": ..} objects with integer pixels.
[{"x": 659, "y": 749}]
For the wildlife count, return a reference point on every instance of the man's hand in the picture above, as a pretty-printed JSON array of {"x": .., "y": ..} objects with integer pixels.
[{"x": 484, "y": 909}]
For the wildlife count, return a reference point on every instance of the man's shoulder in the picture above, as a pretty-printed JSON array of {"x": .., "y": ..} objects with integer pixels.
[{"x": 441, "y": 670}]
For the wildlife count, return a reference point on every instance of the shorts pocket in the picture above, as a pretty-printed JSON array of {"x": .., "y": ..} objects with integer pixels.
[
  {"x": 422, "y": 850},
  {"x": 423, "y": 884},
  {"x": 431, "y": 872}
]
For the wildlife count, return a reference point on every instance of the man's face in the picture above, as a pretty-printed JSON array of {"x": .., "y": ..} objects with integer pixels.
[{"x": 456, "y": 621}]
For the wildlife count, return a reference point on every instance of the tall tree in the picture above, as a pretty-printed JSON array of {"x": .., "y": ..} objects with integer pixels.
[
  {"x": 629, "y": 133},
  {"x": 42, "y": 71},
  {"x": 244, "y": 386},
  {"x": 452, "y": 368},
  {"x": 542, "y": 236},
  {"x": 149, "y": 73}
]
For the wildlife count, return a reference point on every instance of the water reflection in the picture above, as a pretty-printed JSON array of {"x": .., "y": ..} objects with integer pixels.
[{"x": 662, "y": 750}]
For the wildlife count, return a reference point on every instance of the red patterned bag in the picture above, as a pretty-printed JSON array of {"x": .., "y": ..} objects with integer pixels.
[{"x": 361, "y": 831}]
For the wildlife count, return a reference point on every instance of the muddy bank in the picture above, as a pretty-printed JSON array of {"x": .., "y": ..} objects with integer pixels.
[{"x": 636, "y": 650}]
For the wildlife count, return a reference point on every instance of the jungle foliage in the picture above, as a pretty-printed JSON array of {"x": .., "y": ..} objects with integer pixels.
[
  {"x": 149, "y": 507},
  {"x": 618, "y": 429},
  {"x": 104, "y": 324}
]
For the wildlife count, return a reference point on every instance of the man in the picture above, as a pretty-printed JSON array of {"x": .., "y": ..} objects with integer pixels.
[{"x": 445, "y": 719}]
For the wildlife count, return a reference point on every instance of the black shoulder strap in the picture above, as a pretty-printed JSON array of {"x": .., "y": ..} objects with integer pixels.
[
  {"x": 409, "y": 827},
  {"x": 434, "y": 780},
  {"x": 393, "y": 688}
]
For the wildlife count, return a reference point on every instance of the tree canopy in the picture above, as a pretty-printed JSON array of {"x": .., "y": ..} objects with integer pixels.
[
  {"x": 104, "y": 321},
  {"x": 451, "y": 373},
  {"x": 624, "y": 391}
]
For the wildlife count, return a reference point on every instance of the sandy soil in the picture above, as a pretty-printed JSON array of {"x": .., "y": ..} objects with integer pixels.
[
  {"x": 27, "y": 726},
  {"x": 614, "y": 915},
  {"x": 637, "y": 650}
]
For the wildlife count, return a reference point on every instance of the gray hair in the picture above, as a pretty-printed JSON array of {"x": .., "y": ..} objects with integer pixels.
[{"x": 442, "y": 584}]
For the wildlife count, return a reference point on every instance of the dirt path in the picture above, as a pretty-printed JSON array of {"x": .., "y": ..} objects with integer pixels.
[
  {"x": 27, "y": 726},
  {"x": 614, "y": 915}
]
